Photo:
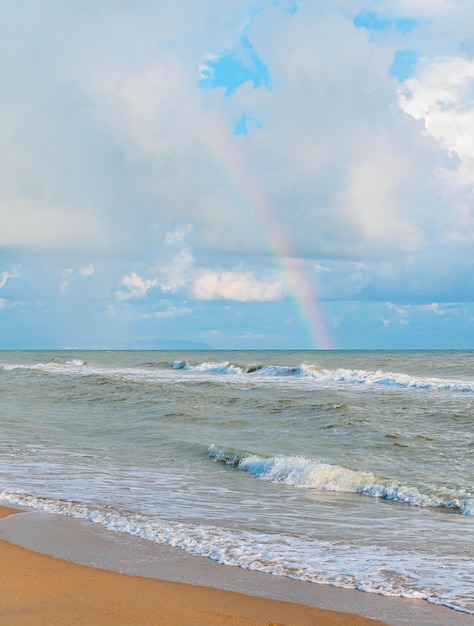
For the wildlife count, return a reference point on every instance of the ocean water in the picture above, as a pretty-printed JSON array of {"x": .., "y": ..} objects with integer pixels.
[{"x": 353, "y": 469}]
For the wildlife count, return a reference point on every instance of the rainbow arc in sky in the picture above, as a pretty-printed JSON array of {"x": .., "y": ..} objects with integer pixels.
[{"x": 222, "y": 150}]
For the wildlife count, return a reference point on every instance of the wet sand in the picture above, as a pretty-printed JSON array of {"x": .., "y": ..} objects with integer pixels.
[{"x": 40, "y": 589}]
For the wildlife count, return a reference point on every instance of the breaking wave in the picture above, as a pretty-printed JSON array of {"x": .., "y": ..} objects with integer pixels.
[
  {"x": 329, "y": 377},
  {"x": 310, "y": 373},
  {"x": 303, "y": 472}
]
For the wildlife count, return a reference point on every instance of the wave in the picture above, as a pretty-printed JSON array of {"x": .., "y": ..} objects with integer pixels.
[
  {"x": 78, "y": 368},
  {"x": 329, "y": 377},
  {"x": 210, "y": 367},
  {"x": 303, "y": 472},
  {"x": 310, "y": 373},
  {"x": 51, "y": 367},
  {"x": 301, "y": 558}
]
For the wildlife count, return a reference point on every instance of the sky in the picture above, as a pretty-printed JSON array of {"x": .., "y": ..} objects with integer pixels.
[{"x": 247, "y": 174}]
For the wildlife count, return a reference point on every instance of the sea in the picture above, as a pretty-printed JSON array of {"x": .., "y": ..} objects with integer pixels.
[{"x": 346, "y": 468}]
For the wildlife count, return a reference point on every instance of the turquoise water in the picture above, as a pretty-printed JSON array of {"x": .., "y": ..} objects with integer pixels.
[{"x": 348, "y": 468}]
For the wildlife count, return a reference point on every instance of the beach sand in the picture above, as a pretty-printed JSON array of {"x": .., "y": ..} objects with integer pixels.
[{"x": 39, "y": 589}]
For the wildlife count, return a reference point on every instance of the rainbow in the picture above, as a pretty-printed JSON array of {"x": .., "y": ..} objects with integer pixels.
[{"x": 222, "y": 150}]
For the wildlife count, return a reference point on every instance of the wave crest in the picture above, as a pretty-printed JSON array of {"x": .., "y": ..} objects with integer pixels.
[
  {"x": 311, "y": 373},
  {"x": 331, "y": 377},
  {"x": 304, "y": 472}
]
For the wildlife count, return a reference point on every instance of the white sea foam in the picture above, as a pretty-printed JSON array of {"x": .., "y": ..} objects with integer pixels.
[
  {"x": 212, "y": 367},
  {"x": 330, "y": 377},
  {"x": 384, "y": 379},
  {"x": 334, "y": 563},
  {"x": 309, "y": 372},
  {"x": 78, "y": 368},
  {"x": 298, "y": 471},
  {"x": 180, "y": 365}
]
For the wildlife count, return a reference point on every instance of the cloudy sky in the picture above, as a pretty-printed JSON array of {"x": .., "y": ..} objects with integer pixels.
[{"x": 242, "y": 174}]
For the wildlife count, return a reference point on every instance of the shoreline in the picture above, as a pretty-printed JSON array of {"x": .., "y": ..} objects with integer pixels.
[
  {"x": 38, "y": 588},
  {"x": 115, "y": 579}
]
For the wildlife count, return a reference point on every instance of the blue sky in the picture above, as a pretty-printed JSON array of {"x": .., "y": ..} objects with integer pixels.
[{"x": 247, "y": 174}]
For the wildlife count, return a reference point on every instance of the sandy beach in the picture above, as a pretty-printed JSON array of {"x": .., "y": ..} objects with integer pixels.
[{"x": 39, "y": 589}]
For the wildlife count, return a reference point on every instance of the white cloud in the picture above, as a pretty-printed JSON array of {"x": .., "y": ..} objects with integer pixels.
[
  {"x": 426, "y": 8},
  {"x": 175, "y": 274},
  {"x": 178, "y": 235},
  {"x": 28, "y": 224},
  {"x": 397, "y": 309},
  {"x": 69, "y": 276},
  {"x": 250, "y": 335},
  {"x": 434, "y": 308},
  {"x": 442, "y": 95},
  {"x": 339, "y": 163},
  {"x": 88, "y": 270},
  {"x": 5, "y": 276},
  {"x": 147, "y": 128},
  {"x": 169, "y": 313},
  {"x": 237, "y": 286},
  {"x": 3, "y": 303},
  {"x": 206, "y": 70},
  {"x": 137, "y": 287},
  {"x": 370, "y": 203}
]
